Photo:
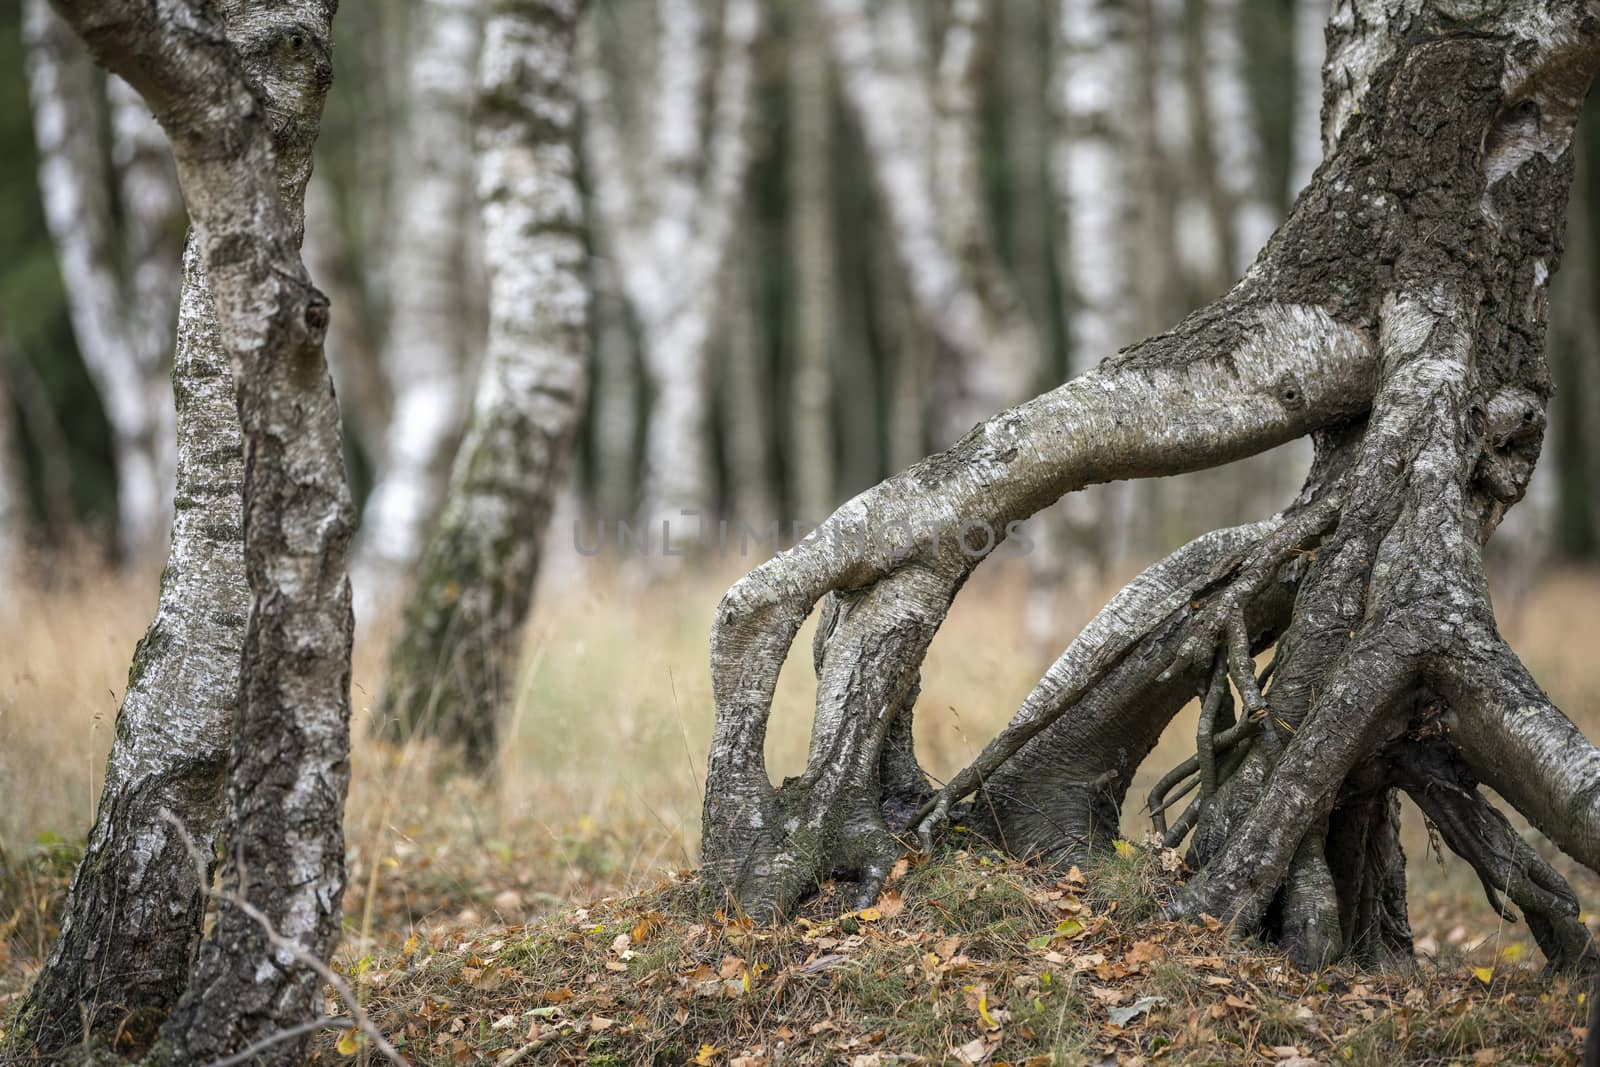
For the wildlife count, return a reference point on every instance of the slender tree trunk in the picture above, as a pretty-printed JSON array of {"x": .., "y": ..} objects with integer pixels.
[
  {"x": 454, "y": 663},
  {"x": 1094, "y": 179},
  {"x": 816, "y": 271},
  {"x": 364, "y": 397},
  {"x": 1398, "y": 318},
  {"x": 1305, "y": 142},
  {"x": 240, "y": 100},
  {"x": 744, "y": 389},
  {"x": 1574, "y": 328},
  {"x": 123, "y": 322},
  {"x": 425, "y": 355},
  {"x": 925, "y": 161},
  {"x": 671, "y": 223},
  {"x": 1234, "y": 132},
  {"x": 614, "y": 423},
  {"x": 133, "y": 915}
]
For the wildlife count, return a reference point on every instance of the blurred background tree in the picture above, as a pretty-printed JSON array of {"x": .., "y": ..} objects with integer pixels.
[{"x": 877, "y": 290}]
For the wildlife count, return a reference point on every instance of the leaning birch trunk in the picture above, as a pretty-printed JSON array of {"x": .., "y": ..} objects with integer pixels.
[
  {"x": 133, "y": 915},
  {"x": 1398, "y": 317},
  {"x": 424, "y": 356},
  {"x": 123, "y": 326},
  {"x": 453, "y": 665},
  {"x": 241, "y": 102}
]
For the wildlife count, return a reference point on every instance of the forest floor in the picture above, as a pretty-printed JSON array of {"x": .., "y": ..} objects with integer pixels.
[{"x": 550, "y": 913}]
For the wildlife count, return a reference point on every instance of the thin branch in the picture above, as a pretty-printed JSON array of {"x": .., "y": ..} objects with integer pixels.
[{"x": 358, "y": 1014}]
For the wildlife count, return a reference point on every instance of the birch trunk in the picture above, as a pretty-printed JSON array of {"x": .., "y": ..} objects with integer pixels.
[
  {"x": 133, "y": 915},
  {"x": 121, "y": 318},
  {"x": 238, "y": 88},
  {"x": 425, "y": 354},
  {"x": 453, "y": 665},
  {"x": 918, "y": 118},
  {"x": 671, "y": 224},
  {"x": 13, "y": 502},
  {"x": 1398, "y": 318},
  {"x": 811, "y": 221}
]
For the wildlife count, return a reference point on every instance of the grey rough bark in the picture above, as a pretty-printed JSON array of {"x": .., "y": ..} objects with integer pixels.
[
  {"x": 238, "y": 89},
  {"x": 1397, "y": 318},
  {"x": 121, "y": 282},
  {"x": 453, "y": 664},
  {"x": 425, "y": 354}
]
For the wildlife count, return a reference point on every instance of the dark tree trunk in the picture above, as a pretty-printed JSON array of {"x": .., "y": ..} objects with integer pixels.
[
  {"x": 238, "y": 87},
  {"x": 1398, "y": 318}
]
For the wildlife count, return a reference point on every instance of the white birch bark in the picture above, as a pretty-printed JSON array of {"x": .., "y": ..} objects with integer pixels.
[
  {"x": 919, "y": 122},
  {"x": 123, "y": 325},
  {"x": 811, "y": 156},
  {"x": 454, "y": 661},
  {"x": 1235, "y": 135},
  {"x": 425, "y": 355},
  {"x": 238, "y": 88},
  {"x": 670, "y": 223}
]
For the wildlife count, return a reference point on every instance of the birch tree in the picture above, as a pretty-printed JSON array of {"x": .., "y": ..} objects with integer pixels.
[
  {"x": 425, "y": 355},
  {"x": 918, "y": 116},
  {"x": 454, "y": 663},
  {"x": 238, "y": 89},
  {"x": 668, "y": 186},
  {"x": 121, "y": 281},
  {"x": 1397, "y": 318}
]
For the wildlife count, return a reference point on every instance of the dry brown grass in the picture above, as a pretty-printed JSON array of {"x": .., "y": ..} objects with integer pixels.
[{"x": 598, "y": 790}]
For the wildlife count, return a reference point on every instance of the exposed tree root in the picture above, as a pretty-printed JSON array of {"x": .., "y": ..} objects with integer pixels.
[{"x": 1398, "y": 318}]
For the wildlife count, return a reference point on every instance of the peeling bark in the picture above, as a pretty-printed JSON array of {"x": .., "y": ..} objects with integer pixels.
[{"x": 454, "y": 664}]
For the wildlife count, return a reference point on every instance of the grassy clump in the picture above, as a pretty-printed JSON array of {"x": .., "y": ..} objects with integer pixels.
[{"x": 966, "y": 955}]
